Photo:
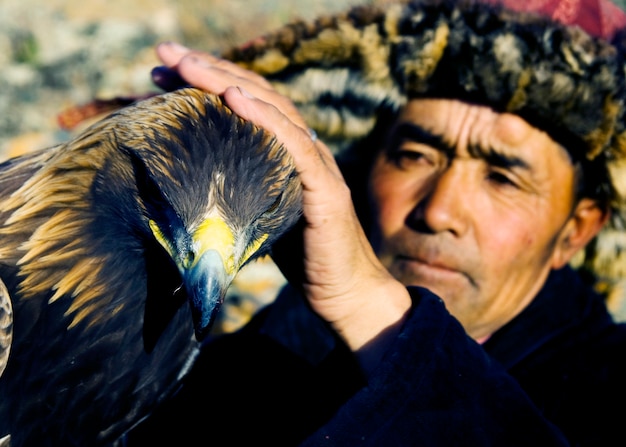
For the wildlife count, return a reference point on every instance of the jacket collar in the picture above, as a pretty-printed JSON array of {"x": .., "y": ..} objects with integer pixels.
[{"x": 565, "y": 305}]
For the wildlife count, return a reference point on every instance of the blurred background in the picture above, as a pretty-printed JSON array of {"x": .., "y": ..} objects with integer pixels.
[{"x": 56, "y": 54}]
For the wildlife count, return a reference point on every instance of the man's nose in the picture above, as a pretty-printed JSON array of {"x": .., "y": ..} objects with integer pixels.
[{"x": 443, "y": 207}]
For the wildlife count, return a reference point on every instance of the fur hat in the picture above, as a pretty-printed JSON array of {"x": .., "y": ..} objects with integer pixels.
[{"x": 345, "y": 71}]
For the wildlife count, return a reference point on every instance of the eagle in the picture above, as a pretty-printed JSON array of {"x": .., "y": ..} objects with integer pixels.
[{"x": 116, "y": 251}]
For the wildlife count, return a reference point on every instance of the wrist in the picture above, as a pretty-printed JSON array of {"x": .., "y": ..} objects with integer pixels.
[{"x": 378, "y": 317}]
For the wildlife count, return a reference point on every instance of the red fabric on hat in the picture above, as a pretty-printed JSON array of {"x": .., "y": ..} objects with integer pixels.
[{"x": 600, "y": 18}]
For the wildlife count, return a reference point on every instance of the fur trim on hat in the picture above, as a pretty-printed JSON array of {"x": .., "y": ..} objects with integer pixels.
[{"x": 343, "y": 71}]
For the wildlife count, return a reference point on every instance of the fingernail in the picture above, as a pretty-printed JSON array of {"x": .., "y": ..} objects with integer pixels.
[
  {"x": 245, "y": 92},
  {"x": 167, "y": 79}
]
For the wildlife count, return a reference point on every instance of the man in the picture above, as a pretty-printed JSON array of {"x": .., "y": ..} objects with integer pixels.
[{"x": 495, "y": 169}]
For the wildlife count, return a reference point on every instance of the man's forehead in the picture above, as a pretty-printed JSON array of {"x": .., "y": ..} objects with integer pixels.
[
  {"x": 478, "y": 129},
  {"x": 442, "y": 114}
]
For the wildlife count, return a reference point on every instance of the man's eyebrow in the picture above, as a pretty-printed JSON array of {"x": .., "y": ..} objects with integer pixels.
[
  {"x": 497, "y": 158},
  {"x": 417, "y": 133},
  {"x": 414, "y": 132}
]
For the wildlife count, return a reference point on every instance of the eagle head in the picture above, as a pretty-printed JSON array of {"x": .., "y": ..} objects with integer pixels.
[{"x": 215, "y": 191}]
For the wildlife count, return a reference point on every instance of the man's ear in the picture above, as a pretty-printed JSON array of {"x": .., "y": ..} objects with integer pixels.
[{"x": 586, "y": 221}]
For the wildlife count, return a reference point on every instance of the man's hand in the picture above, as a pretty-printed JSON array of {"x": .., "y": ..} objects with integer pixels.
[{"x": 343, "y": 279}]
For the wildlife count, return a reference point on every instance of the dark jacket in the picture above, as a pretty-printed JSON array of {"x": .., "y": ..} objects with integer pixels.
[{"x": 285, "y": 379}]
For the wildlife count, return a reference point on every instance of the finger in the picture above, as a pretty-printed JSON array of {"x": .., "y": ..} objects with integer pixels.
[
  {"x": 313, "y": 159},
  {"x": 216, "y": 78},
  {"x": 194, "y": 63},
  {"x": 234, "y": 69},
  {"x": 170, "y": 53}
]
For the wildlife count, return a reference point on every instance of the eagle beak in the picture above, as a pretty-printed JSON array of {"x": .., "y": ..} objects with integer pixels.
[
  {"x": 206, "y": 282},
  {"x": 206, "y": 261},
  {"x": 208, "y": 271}
]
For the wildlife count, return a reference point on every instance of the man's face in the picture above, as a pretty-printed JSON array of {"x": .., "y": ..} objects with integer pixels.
[{"x": 473, "y": 205}]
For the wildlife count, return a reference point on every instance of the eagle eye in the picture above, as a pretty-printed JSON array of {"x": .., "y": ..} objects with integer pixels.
[
  {"x": 274, "y": 206},
  {"x": 190, "y": 258}
]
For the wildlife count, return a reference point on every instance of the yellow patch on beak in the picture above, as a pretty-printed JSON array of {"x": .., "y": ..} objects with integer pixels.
[{"x": 215, "y": 234}]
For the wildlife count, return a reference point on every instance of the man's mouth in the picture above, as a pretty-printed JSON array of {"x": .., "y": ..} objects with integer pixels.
[
  {"x": 428, "y": 271},
  {"x": 418, "y": 263}
]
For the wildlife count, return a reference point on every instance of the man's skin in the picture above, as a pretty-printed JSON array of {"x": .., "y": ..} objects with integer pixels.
[{"x": 480, "y": 230}]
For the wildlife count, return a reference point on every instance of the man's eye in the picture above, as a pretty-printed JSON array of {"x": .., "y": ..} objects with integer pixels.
[
  {"x": 407, "y": 155},
  {"x": 500, "y": 178},
  {"x": 405, "y": 159}
]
